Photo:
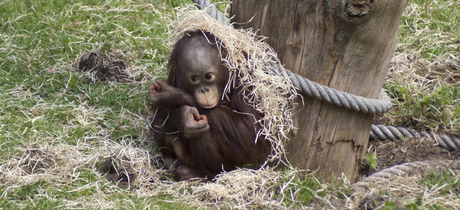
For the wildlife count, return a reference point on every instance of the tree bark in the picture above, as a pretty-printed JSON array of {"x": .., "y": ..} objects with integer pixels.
[{"x": 344, "y": 44}]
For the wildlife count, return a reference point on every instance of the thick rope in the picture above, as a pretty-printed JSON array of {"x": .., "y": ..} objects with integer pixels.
[
  {"x": 313, "y": 89},
  {"x": 399, "y": 170},
  {"x": 337, "y": 97},
  {"x": 384, "y": 132},
  {"x": 405, "y": 169},
  {"x": 347, "y": 100}
]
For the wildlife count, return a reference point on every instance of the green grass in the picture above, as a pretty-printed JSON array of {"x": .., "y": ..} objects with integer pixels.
[
  {"x": 45, "y": 101},
  {"x": 301, "y": 191},
  {"x": 445, "y": 183},
  {"x": 38, "y": 36},
  {"x": 430, "y": 109},
  {"x": 431, "y": 28},
  {"x": 429, "y": 41}
]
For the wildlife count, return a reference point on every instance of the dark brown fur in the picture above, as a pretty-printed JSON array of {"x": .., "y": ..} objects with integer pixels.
[{"x": 218, "y": 138}]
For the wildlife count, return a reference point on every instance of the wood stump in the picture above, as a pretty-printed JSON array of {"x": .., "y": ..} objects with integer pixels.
[{"x": 344, "y": 44}]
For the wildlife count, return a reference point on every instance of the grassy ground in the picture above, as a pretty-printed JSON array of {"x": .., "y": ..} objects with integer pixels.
[
  {"x": 57, "y": 126},
  {"x": 425, "y": 75}
]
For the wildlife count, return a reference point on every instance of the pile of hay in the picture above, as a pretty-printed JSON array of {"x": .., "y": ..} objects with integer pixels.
[
  {"x": 106, "y": 65},
  {"x": 136, "y": 170}
]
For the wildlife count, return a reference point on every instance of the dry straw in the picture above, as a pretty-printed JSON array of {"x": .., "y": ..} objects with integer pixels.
[{"x": 62, "y": 165}]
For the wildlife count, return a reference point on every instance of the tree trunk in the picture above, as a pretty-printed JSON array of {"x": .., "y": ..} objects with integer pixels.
[{"x": 344, "y": 44}]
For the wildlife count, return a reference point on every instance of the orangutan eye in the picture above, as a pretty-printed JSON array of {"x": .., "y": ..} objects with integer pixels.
[
  {"x": 209, "y": 77},
  {"x": 194, "y": 79}
]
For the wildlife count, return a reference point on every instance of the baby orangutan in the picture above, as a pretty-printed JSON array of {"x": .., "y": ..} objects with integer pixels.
[{"x": 199, "y": 133}]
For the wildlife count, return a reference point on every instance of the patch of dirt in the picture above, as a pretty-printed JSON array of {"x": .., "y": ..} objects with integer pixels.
[
  {"x": 119, "y": 171},
  {"x": 395, "y": 152},
  {"x": 103, "y": 67},
  {"x": 36, "y": 161},
  {"x": 448, "y": 71}
]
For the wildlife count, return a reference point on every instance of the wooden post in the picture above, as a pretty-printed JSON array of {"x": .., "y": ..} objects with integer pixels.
[{"x": 344, "y": 44}]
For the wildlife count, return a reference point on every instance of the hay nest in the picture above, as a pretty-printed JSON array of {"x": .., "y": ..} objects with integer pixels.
[
  {"x": 103, "y": 67},
  {"x": 38, "y": 161}
]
